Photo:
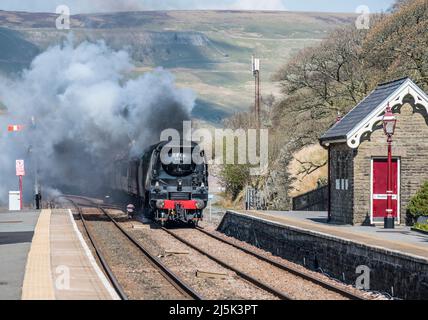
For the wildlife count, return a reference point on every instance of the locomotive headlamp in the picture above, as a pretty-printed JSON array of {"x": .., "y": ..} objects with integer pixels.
[
  {"x": 179, "y": 185},
  {"x": 200, "y": 204},
  {"x": 160, "y": 204},
  {"x": 157, "y": 186}
]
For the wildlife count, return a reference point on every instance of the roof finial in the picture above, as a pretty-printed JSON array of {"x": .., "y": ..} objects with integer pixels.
[{"x": 388, "y": 108}]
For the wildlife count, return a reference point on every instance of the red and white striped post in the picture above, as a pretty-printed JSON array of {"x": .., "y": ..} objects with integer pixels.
[
  {"x": 20, "y": 172},
  {"x": 20, "y": 169}
]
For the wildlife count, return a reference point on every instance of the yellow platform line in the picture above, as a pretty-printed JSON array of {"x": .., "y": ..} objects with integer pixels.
[{"x": 38, "y": 284}]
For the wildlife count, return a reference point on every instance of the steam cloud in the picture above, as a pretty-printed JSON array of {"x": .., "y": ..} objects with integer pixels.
[{"x": 87, "y": 113}]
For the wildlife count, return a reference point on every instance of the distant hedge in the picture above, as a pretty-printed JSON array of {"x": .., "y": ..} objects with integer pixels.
[{"x": 418, "y": 205}]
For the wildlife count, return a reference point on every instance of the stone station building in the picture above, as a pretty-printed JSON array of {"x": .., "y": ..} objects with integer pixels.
[{"x": 357, "y": 148}]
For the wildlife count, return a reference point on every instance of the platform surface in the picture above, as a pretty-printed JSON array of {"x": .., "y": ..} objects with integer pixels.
[
  {"x": 16, "y": 233},
  {"x": 44, "y": 256},
  {"x": 71, "y": 258},
  {"x": 400, "y": 239}
]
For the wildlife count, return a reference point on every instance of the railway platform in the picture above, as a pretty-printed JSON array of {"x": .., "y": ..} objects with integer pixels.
[
  {"x": 47, "y": 258},
  {"x": 16, "y": 234},
  {"x": 396, "y": 261},
  {"x": 401, "y": 239}
]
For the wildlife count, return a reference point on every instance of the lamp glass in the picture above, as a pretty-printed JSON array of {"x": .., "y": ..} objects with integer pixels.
[{"x": 389, "y": 127}]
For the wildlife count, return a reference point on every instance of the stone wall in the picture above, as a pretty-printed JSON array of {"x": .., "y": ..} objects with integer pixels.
[
  {"x": 406, "y": 275},
  {"x": 410, "y": 144},
  {"x": 315, "y": 200},
  {"x": 342, "y": 196}
]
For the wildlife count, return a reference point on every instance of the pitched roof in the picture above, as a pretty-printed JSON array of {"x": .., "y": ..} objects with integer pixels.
[{"x": 341, "y": 129}]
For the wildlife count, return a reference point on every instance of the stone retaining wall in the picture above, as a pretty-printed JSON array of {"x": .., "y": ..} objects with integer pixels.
[
  {"x": 405, "y": 275},
  {"x": 315, "y": 200}
]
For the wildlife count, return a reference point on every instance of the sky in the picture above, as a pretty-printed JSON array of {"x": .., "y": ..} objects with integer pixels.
[{"x": 85, "y": 6}]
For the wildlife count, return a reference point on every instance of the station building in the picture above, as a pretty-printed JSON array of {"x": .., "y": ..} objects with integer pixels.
[{"x": 357, "y": 148}]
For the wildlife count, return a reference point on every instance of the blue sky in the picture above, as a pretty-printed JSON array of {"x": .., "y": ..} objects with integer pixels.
[{"x": 83, "y": 6}]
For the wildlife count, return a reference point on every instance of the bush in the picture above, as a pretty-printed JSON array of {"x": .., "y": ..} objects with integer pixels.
[
  {"x": 423, "y": 227},
  {"x": 418, "y": 205},
  {"x": 234, "y": 178}
]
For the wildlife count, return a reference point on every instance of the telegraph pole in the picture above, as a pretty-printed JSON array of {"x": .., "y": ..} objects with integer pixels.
[
  {"x": 34, "y": 156},
  {"x": 256, "y": 74}
]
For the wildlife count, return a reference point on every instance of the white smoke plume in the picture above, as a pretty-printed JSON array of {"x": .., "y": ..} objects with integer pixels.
[{"x": 86, "y": 111}]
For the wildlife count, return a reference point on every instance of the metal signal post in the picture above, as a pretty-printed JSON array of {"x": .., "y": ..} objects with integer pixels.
[
  {"x": 20, "y": 193},
  {"x": 256, "y": 73},
  {"x": 20, "y": 172}
]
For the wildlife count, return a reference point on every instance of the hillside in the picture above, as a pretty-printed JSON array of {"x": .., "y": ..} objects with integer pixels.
[
  {"x": 332, "y": 78},
  {"x": 208, "y": 51},
  {"x": 325, "y": 80},
  {"x": 16, "y": 53}
]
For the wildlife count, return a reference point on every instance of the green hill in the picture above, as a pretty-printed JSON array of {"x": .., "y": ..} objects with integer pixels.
[
  {"x": 209, "y": 51},
  {"x": 16, "y": 53}
]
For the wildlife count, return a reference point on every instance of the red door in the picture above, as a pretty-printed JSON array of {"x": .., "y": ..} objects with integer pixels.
[{"x": 379, "y": 196}]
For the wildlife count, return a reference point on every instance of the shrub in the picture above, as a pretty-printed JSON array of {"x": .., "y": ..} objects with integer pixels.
[
  {"x": 234, "y": 178},
  {"x": 418, "y": 205},
  {"x": 419, "y": 226}
]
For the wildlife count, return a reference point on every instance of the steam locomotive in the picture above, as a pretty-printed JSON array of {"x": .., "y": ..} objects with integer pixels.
[{"x": 174, "y": 190}]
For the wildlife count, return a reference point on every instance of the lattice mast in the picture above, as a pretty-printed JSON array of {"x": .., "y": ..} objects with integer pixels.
[{"x": 256, "y": 74}]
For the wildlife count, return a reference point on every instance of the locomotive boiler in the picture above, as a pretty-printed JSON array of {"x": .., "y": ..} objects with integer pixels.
[{"x": 173, "y": 190}]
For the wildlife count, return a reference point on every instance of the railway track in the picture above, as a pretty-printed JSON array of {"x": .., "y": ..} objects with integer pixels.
[
  {"x": 166, "y": 273},
  {"x": 329, "y": 286},
  {"x": 263, "y": 284},
  {"x": 248, "y": 276},
  {"x": 113, "y": 280},
  {"x": 241, "y": 274}
]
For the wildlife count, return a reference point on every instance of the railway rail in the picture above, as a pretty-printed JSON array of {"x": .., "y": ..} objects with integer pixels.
[
  {"x": 319, "y": 285},
  {"x": 170, "y": 276},
  {"x": 263, "y": 285},
  {"x": 241, "y": 274},
  {"x": 115, "y": 283},
  {"x": 329, "y": 286}
]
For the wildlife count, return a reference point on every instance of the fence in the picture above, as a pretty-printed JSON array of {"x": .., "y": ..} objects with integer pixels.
[{"x": 254, "y": 199}]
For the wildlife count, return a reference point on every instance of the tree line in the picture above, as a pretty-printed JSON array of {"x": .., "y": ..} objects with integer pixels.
[{"x": 321, "y": 82}]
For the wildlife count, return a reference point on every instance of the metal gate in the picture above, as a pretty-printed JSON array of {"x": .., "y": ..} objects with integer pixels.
[{"x": 255, "y": 199}]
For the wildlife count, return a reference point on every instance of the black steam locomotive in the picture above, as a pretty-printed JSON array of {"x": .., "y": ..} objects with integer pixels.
[{"x": 174, "y": 190}]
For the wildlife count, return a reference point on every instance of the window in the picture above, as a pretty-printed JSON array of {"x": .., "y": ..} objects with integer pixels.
[{"x": 342, "y": 171}]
